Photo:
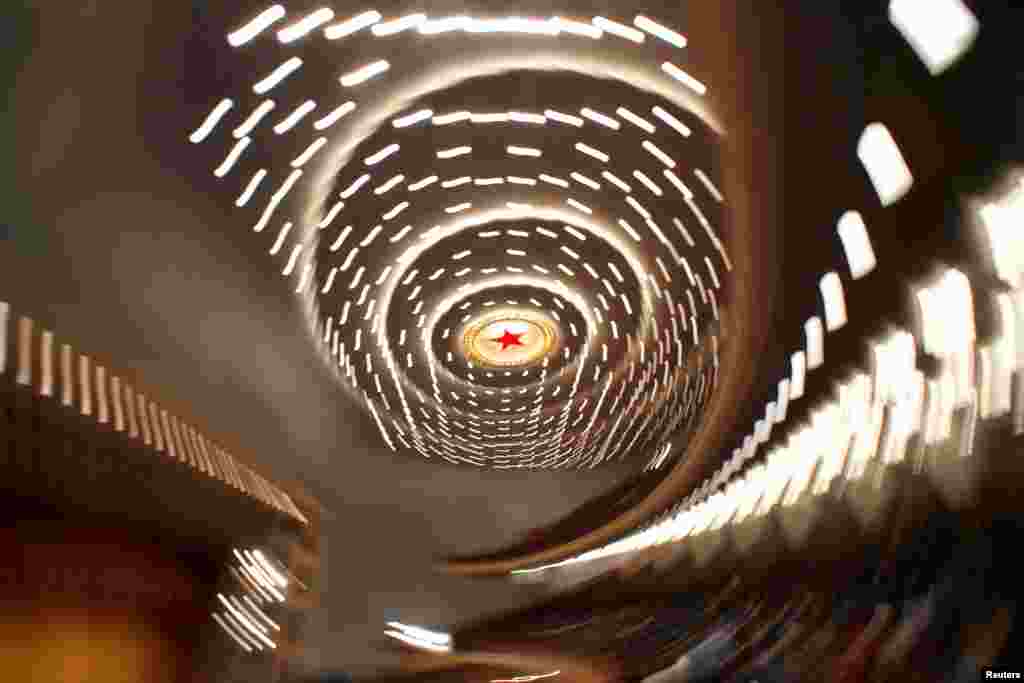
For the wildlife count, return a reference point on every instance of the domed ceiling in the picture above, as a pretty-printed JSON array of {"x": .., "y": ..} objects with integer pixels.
[{"x": 506, "y": 232}]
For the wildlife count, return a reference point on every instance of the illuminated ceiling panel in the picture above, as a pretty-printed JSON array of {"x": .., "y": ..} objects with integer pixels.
[{"x": 461, "y": 230}]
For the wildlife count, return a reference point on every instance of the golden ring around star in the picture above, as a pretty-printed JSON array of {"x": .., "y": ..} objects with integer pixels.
[{"x": 509, "y": 340}]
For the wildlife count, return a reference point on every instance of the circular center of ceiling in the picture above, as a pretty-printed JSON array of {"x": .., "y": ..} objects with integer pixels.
[{"x": 509, "y": 339}]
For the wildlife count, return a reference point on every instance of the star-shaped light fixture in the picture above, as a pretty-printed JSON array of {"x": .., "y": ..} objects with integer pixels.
[{"x": 508, "y": 339}]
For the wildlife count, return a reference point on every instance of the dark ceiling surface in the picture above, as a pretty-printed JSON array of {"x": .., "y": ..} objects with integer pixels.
[{"x": 117, "y": 246}]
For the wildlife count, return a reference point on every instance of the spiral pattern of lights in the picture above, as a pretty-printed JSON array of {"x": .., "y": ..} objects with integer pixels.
[{"x": 525, "y": 278}]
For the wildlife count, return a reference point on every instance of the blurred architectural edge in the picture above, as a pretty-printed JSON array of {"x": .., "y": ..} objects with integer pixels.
[{"x": 122, "y": 521}]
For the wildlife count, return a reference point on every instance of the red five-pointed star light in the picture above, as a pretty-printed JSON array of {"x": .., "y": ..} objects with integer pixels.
[{"x": 508, "y": 339}]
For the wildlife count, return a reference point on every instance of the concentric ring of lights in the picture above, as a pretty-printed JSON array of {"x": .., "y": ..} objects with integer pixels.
[{"x": 630, "y": 382}]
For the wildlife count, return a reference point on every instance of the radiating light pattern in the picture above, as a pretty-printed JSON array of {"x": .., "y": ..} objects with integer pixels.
[{"x": 394, "y": 267}]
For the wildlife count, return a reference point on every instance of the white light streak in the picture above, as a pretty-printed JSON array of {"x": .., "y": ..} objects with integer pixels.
[
  {"x": 684, "y": 78},
  {"x": 211, "y": 121},
  {"x": 349, "y": 259},
  {"x": 523, "y": 151},
  {"x": 356, "y": 279},
  {"x": 335, "y": 116},
  {"x": 293, "y": 119},
  {"x": 679, "y": 185},
  {"x": 444, "y": 25},
  {"x": 420, "y": 184},
  {"x": 309, "y": 152},
  {"x": 629, "y": 229},
  {"x": 884, "y": 163},
  {"x": 577, "y": 28},
  {"x": 276, "y": 199},
  {"x": 552, "y": 180},
  {"x": 488, "y": 181},
  {"x": 563, "y": 118},
  {"x": 616, "y": 181},
  {"x": 254, "y": 118},
  {"x": 230, "y": 630},
  {"x": 584, "y": 180},
  {"x": 526, "y": 117},
  {"x": 575, "y": 233},
  {"x": 659, "y": 31},
  {"x": 412, "y": 119},
  {"x": 292, "y": 259},
  {"x": 637, "y": 121},
  {"x": 454, "y": 117},
  {"x": 601, "y": 119},
  {"x": 389, "y": 184},
  {"x": 286, "y": 69},
  {"x": 708, "y": 185},
  {"x": 350, "y": 26},
  {"x": 414, "y": 642},
  {"x": 815, "y": 342},
  {"x": 383, "y": 154},
  {"x": 673, "y": 123},
  {"x": 250, "y": 189},
  {"x": 496, "y": 117},
  {"x": 711, "y": 270},
  {"x": 454, "y": 152},
  {"x": 395, "y": 211},
  {"x": 256, "y": 26},
  {"x": 390, "y": 28},
  {"x": 397, "y": 237},
  {"x": 354, "y": 187},
  {"x": 370, "y": 236},
  {"x": 798, "y": 364},
  {"x": 458, "y": 208},
  {"x": 455, "y": 182},
  {"x": 341, "y": 238},
  {"x": 331, "y": 215},
  {"x": 306, "y": 25},
  {"x": 579, "y": 206},
  {"x": 365, "y": 73},
  {"x": 232, "y": 157},
  {"x": 659, "y": 154},
  {"x": 279, "y": 242},
  {"x": 940, "y": 31},
  {"x": 617, "y": 29},
  {"x": 648, "y": 183},
  {"x": 517, "y": 180},
  {"x": 835, "y": 305},
  {"x": 857, "y": 245},
  {"x": 590, "y": 151}
]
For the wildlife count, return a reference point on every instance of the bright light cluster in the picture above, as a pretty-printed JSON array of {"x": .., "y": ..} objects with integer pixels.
[
  {"x": 260, "y": 585},
  {"x": 889, "y": 412},
  {"x": 405, "y": 257}
]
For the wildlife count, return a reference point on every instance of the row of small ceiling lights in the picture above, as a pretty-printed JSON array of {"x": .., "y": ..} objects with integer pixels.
[
  {"x": 940, "y": 34},
  {"x": 607, "y": 122}
]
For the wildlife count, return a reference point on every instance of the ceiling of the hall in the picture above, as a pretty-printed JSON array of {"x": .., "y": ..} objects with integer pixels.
[{"x": 400, "y": 170}]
